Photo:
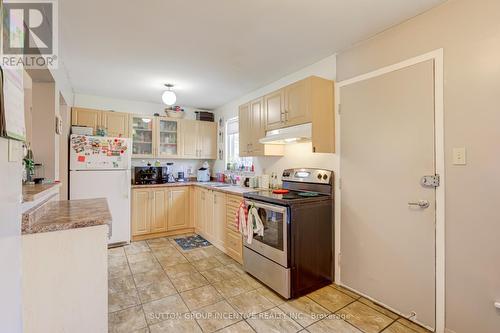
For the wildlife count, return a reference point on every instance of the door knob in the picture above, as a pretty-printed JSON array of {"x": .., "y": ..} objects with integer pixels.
[{"x": 420, "y": 204}]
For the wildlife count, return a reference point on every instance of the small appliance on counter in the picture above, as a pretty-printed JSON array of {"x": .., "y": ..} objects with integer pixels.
[
  {"x": 180, "y": 176},
  {"x": 203, "y": 173},
  {"x": 145, "y": 175}
]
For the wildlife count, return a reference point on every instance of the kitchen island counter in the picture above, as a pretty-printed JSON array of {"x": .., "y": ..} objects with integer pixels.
[{"x": 65, "y": 215}]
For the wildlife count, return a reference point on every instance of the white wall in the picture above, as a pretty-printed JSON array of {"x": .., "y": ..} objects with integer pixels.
[
  {"x": 296, "y": 155},
  {"x": 10, "y": 242}
]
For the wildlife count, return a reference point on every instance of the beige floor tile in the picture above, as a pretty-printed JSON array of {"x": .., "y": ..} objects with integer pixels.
[
  {"x": 142, "y": 330},
  {"x": 200, "y": 297},
  {"x": 225, "y": 259},
  {"x": 156, "y": 291},
  {"x": 250, "y": 303},
  {"x": 117, "y": 261},
  {"x": 196, "y": 254},
  {"x": 332, "y": 324},
  {"x": 179, "y": 270},
  {"x": 365, "y": 318},
  {"x": 211, "y": 251},
  {"x": 146, "y": 278},
  {"x": 120, "y": 284},
  {"x": 379, "y": 308},
  {"x": 250, "y": 280},
  {"x": 118, "y": 271},
  {"x": 413, "y": 326},
  {"x": 330, "y": 298},
  {"x": 237, "y": 268},
  {"x": 216, "y": 316},
  {"x": 275, "y": 321},
  {"x": 206, "y": 263},
  {"x": 232, "y": 287},
  {"x": 116, "y": 252},
  {"x": 345, "y": 291},
  {"x": 180, "y": 325},
  {"x": 191, "y": 281},
  {"x": 126, "y": 320},
  {"x": 171, "y": 307},
  {"x": 122, "y": 300},
  {"x": 166, "y": 252},
  {"x": 172, "y": 260},
  {"x": 219, "y": 274},
  {"x": 240, "y": 327},
  {"x": 397, "y": 327},
  {"x": 271, "y": 296},
  {"x": 136, "y": 247},
  {"x": 145, "y": 266},
  {"x": 304, "y": 311},
  {"x": 134, "y": 258},
  {"x": 158, "y": 243}
]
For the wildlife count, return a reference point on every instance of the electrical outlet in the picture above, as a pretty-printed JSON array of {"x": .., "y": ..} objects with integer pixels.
[{"x": 459, "y": 156}]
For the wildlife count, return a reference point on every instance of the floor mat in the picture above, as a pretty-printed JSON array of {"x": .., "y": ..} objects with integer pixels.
[{"x": 192, "y": 242}]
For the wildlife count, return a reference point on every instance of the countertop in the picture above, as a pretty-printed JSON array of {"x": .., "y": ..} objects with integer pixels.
[
  {"x": 66, "y": 214},
  {"x": 36, "y": 191},
  {"x": 230, "y": 189}
]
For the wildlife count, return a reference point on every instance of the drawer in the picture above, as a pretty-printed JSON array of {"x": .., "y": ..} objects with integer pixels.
[
  {"x": 234, "y": 245},
  {"x": 233, "y": 201}
]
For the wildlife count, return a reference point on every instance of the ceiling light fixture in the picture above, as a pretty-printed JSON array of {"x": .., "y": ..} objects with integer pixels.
[{"x": 168, "y": 96}]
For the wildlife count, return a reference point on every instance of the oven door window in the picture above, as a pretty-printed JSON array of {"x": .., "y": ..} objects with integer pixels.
[{"x": 273, "y": 228}]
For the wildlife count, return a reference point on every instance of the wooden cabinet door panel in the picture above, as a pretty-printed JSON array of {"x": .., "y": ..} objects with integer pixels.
[
  {"x": 160, "y": 210},
  {"x": 178, "y": 208},
  {"x": 116, "y": 123},
  {"x": 219, "y": 220},
  {"x": 85, "y": 117},
  {"x": 141, "y": 211},
  {"x": 234, "y": 245},
  {"x": 189, "y": 138},
  {"x": 273, "y": 109},
  {"x": 208, "y": 212},
  {"x": 207, "y": 140},
  {"x": 257, "y": 127},
  {"x": 244, "y": 123},
  {"x": 297, "y": 103}
]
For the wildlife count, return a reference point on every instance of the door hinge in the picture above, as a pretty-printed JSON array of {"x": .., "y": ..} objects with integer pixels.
[
  {"x": 430, "y": 181},
  {"x": 339, "y": 108},
  {"x": 340, "y": 183},
  {"x": 339, "y": 258}
]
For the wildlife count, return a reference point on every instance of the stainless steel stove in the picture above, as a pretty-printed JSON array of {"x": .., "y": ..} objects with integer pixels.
[{"x": 295, "y": 255}]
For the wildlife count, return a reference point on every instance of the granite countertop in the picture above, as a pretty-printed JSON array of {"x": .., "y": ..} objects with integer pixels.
[
  {"x": 36, "y": 191},
  {"x": 230, "y": 189},
  {"x": 66, "y": 214}
]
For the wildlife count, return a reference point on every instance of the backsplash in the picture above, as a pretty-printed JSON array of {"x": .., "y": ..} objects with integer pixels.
[{"x": 179, "y": 165}]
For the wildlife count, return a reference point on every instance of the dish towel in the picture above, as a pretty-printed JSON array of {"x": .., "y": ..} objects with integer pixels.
[
  {"x": 255, "y": 224},
  {"x": 241, "y": 219}
]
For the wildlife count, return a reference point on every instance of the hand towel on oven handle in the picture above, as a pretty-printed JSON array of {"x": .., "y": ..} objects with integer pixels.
[{"x": 249, "y": 222}]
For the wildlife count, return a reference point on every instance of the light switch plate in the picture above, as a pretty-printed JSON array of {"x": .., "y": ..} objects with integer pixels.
[{"x": 459, "y": 156}]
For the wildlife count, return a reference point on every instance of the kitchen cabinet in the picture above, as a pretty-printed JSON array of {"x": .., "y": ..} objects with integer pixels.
[
  {"x": 115, "y": 123},
  {"x": 219, "y": 219},
  {"x": 167, "y": 140},
  {"x": 198, "y": 139},
  {"x": 252, "y": 129},
  {"x": 178, "y": 208},
  {"x": 210, "y": 216},
  {"x": 297, "y": 102},
  {"x": 274, "y": 109},
  {"x": 142, "y": 129},
  {"x": 160, "y": 211},
  {"x": 233, "y": 242}
]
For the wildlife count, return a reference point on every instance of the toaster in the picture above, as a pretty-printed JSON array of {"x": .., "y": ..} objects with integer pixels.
[{"x": 203, "y": 175}]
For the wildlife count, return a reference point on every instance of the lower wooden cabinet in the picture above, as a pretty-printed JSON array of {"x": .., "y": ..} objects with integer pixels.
[{"x": 160, "y": 211}]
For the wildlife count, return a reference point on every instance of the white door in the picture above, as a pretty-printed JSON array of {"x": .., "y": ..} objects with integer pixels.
[
  {"x": 112, "y": 185},
  {"x": 387, "y": 144}
]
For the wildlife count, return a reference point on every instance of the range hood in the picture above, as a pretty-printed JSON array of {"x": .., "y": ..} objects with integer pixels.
[{"x": 288, "y": 135}]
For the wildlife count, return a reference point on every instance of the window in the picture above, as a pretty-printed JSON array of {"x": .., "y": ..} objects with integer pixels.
[{"x": 233, "y": 159}]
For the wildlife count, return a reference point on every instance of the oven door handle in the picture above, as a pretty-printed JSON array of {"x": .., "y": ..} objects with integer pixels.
[{"x": 274, "y": 208}]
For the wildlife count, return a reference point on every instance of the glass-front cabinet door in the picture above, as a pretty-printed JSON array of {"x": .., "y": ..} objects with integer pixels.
[
  {"x": 168, "y": 137},
  {"x": 143, "y": 136}
]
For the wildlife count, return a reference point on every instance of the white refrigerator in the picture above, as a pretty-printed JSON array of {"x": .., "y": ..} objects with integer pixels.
[{"x": 100, "y": 168}]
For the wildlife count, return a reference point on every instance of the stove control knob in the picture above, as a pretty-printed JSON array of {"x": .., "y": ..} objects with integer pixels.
[
  {"x": 325, "y": 177},
  {"x": 320, "y": 176}
]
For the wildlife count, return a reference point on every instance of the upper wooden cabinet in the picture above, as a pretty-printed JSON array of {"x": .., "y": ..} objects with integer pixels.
[
  {"x": 143, "y": 129},
  {"x": 115, "y": 123},
  {"x": 307, "y": 101},
  {"x": 198, "y": 139},
  {"x": 168, "y": 137},
  {"x": 252, "y": 128}
]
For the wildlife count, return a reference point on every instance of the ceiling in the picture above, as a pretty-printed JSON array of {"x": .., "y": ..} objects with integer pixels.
[{"x": 212, "y": 51}]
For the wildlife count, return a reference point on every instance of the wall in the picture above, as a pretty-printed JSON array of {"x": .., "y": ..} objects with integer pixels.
[
  {"x": 120, "y": 105},
  {"x": 469, "y": 33},
  {"x": 10, "y": 241},
  {"x": 296, "y": 155}
]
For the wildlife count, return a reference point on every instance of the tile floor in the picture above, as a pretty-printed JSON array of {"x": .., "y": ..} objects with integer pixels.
[{"x": 155, "y": 286}]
